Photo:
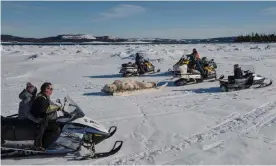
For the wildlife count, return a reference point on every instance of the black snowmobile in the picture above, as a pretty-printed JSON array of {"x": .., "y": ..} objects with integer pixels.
[
  {"x": 250, "y": 79},
  {"x": 131, "y": 69},
  {"x": 78, "y": 136}
]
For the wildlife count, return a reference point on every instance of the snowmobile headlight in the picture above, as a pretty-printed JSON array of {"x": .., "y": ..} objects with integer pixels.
[{"x": 87, "y": 137}]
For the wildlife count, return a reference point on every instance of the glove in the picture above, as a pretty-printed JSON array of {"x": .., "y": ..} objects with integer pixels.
[{"x": 59, "y": 108}]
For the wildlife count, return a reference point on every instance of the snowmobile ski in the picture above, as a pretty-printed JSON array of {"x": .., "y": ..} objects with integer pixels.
[
  {"x": 103, "y": 154},
  {"x": 144, "y": 74},
  {"x": 27, "y": 152},
  {"x": 263, "y": 85},
  {"x": 20, "y": 152}
]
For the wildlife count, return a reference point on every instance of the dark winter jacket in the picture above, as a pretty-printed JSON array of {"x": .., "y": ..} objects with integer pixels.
[
  {"x": 26, "y": 104},
  {"x": 43, "y": 107},
  {"x": 138, "y": 59},
  {"x": 238, "y": 73},
  {"x": 193, "y": 57}
]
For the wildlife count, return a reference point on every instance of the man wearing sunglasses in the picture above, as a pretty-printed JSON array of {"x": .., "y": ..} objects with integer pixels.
[{"x": 45, "y": 110}]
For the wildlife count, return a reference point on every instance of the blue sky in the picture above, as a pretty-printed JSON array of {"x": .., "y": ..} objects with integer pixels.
[{"x": 165, "y": 19}]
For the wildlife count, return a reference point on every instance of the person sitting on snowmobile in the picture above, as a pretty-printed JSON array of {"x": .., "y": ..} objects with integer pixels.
[
  {"x": 237, "y": 72},
  {"x": 45, "y": 110},
  {"x": 139, "y": 63},
  {"x": 195, "y": 59},
  {"x": 27, "y": 96},
  {"x": 195, "y": 54}
]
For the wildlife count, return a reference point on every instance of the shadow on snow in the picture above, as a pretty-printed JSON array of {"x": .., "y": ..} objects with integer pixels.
[
  {"x": 95, "y": 94},
  {"x": 204, "y": 90}
]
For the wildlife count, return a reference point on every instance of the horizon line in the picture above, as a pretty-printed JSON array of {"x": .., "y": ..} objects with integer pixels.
[{"x": 142, "y": 37}]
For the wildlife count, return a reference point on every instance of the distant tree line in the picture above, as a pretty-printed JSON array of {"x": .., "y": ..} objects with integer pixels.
[{"x": 255, "y": 37}]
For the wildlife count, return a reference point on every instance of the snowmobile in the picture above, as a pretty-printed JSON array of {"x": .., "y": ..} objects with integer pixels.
[
  {"x": 78, "y": 137},
  {"x": 131, "y": 69},
  {"x": 249, "y": 80},
  {"x": 184, "y": 70}
]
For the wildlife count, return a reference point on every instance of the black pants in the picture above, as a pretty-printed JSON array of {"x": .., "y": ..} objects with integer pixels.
[
  {"x": 47, "y": 134},
  {"x": 141, "y": 69}
]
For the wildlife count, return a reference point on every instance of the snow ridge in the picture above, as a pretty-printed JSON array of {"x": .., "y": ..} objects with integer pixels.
[{"x": 77, "y": 36}]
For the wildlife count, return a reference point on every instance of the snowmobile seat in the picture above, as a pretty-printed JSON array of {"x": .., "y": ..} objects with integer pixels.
[
  {"x": 129, "y": 65},
  {"x": 193, "y": 71},
  {"x": 231, "y": 79},
  {"x": 241, "y": 81},
  {"x": 15, "y": 129}
]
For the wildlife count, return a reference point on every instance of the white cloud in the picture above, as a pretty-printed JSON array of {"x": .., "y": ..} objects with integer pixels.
[
  {"x": 269, "y": 11},
  {"x": 120, "y": 11}
]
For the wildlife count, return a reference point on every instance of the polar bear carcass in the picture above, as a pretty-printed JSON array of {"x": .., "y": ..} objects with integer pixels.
[{"x": 127, "y": 85}]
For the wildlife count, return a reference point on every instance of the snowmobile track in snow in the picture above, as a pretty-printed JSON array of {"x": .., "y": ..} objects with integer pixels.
[{"x": 237, "y": 124}]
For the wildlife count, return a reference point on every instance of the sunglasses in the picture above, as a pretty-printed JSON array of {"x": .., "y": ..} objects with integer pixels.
[{"x": 50, "y": 88}]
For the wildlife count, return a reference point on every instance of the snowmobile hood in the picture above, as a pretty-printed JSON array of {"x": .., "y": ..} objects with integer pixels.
[
  {"x": 86, "y": 121},
  {"x": 77, "y": 116}
]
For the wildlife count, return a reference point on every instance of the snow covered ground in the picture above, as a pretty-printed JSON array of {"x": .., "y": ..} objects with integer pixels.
[{"x": 195, "y": 124}]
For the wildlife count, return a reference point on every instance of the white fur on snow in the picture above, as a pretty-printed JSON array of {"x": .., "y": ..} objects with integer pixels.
[{"x": 130, "y": 87}]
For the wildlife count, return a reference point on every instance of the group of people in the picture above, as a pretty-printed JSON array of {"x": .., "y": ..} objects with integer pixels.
[
  {"x": 194, "y": 57},
  {"x": 195, "y": 60},
  {"x": 195, "y": 65},
  {"x": 39, "y": 109}
]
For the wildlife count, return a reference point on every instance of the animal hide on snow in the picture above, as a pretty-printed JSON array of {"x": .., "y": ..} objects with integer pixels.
[{"x": 127, "y": 85}]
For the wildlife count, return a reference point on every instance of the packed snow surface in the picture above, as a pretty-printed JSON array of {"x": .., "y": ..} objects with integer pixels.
[{"x": 195, "y": 124}]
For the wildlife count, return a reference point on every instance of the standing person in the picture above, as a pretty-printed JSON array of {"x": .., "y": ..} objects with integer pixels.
[
  {"x": 139, "y": 63},
  {"x": 43, "y": 108}
]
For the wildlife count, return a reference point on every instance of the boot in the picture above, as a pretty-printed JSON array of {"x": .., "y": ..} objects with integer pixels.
[
  {"x": 2, "y": 141},
  {"x": 38, "y": 144}
]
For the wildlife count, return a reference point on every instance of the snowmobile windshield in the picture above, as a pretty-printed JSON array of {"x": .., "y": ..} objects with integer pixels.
[
  {"x": 73, "y": 109},
  {"x": 247, "y": 68}
]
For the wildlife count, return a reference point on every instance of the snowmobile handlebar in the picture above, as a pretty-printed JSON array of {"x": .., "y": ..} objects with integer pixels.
[
  {"x": 62, "y": 106},
  {"x": 247, "y": 71}
]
